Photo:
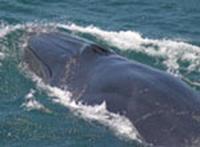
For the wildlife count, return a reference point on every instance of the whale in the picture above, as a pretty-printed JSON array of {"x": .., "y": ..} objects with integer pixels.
[{"x": 164, "y": 109}]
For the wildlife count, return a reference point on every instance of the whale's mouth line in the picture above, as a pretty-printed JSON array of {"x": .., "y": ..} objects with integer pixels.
[{"x": 47, "y": 69}]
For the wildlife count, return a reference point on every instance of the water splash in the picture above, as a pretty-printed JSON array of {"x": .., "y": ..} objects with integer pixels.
[
  {"x": 119, "y": 124},
  {"x": 172, "y": 51},
  {"x": 32, "y": 104}
]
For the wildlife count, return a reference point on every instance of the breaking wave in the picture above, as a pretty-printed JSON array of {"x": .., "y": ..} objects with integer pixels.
[{"x": 172, "y": 51}]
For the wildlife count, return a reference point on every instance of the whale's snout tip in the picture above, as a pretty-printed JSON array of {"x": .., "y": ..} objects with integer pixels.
[{"x": 47, "y": 53}]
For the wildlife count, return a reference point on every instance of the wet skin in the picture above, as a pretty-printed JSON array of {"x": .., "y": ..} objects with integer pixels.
[{"x": 164, "y": 109}]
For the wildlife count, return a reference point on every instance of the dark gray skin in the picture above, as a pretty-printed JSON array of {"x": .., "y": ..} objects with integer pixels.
[{"x": 164, "y": 109}]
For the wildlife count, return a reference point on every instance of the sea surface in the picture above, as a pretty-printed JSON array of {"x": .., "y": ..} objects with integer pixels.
[{"x": 164, "y": 34}]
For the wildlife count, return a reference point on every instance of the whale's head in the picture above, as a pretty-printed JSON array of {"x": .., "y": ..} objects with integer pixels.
[{"x": 47, "y": 53}]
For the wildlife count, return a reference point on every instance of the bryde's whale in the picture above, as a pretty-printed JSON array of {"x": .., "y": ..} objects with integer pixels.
[{"x": 164, "y": 109}]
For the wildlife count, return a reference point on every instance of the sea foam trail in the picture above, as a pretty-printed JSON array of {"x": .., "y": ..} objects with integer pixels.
[
  {"x": 172, "y": 51},
  {"x": 120, "y": 125}
]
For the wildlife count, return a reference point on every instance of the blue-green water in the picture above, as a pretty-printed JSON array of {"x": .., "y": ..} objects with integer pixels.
[{"x": 162, "y": 34}]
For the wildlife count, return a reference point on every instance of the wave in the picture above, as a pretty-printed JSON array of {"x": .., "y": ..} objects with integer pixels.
[{"x": 172, "y": 51}]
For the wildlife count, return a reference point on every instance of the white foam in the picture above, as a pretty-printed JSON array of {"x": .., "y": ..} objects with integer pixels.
[
  {"x": 2, "y": 56},
  {"x": 120, "y": 125},
  {"x": 32, "y": 104},
  {"x": 171, "y": 51},
  {"x": 6, "y": 29},
  {"x": 28, "y": 27}
]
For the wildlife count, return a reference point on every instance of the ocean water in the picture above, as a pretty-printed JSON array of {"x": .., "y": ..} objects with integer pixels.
[{"x": 162, "y": 34}]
